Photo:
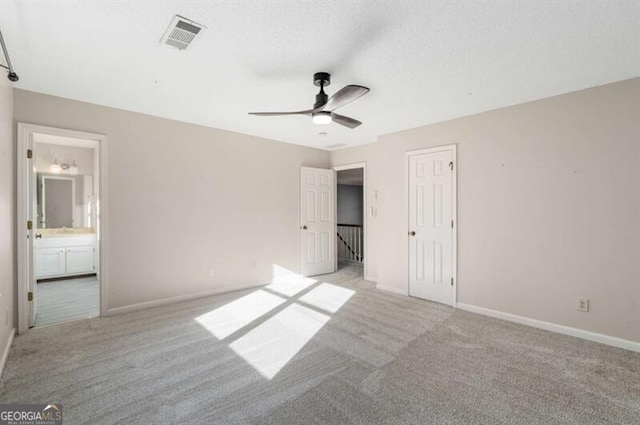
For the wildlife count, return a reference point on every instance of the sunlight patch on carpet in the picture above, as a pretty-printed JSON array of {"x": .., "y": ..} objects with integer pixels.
[
  {"x": 271, "y": 345},
  {"x": 229, "y": 318}
]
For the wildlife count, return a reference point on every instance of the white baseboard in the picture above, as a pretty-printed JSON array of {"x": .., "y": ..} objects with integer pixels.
[
  {"x": 170, "y": 300},
  {"x": 5, "y": 352},
  {"x": 566, "y": 330},
  {"x": 392, "y": 289},
  {"x": 370, "y": 279}
]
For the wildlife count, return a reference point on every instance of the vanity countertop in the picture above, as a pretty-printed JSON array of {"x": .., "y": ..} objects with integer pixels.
[{"x": 64, "y": 232}]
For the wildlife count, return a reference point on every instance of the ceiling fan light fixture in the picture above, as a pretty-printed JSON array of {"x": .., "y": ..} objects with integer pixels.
[
  {"x": 322, "y": 117},
  {"x": 323, "y": 111}
]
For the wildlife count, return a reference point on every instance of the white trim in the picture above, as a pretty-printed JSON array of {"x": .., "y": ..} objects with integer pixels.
[
  {"x": 392, "y": 289},
  {"x": 431, "y": 150},
  {"x": 5, "y": 352},
  {"x": 454, "y": 209},
  {"x": 454, "y": 217},
  {"x": 102, "y": 223},
  {"x": 370, "y": 278},
  {"x": 365, "y": 209},
  {"x": 170, "y": 300},
  {"x": 350, "y": 166},
  {"x": 561, "y": 329},
  {"x": 25, "y": 132}
]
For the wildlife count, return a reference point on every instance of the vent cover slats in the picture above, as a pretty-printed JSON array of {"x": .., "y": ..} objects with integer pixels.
[
  {"x": 336, "y": 145},
  {"x": 181, "y": 32}
]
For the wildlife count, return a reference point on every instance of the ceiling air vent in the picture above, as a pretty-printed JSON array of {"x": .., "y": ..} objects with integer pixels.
[
  {"x": 181, "y": 32},
  {"x": 336, "y": 146}
]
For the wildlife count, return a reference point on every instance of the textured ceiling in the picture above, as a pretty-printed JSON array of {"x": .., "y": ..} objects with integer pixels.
[{"x": 424, "y": 61}]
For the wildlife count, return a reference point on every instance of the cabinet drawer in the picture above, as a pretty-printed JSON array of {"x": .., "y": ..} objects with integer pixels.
[
  {"x": 64, "y": 241},
  {"x": 51, "y": 242},
  {"x": 84, "y": 240}
]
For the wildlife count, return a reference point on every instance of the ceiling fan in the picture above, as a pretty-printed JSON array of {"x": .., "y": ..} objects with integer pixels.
[{"x": 322, "y": 112}]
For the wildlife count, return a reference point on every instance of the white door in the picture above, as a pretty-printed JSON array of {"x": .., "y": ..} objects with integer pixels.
[
  {"x": 431, "y": 235},
  {"x": 317, "y": 221},
  {"x": 32, "y": 212}
]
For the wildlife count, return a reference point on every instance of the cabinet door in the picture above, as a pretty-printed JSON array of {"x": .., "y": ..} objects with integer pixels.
[
  {"x": 50, "y": 262},
  {"x": 80, "y": 259}
]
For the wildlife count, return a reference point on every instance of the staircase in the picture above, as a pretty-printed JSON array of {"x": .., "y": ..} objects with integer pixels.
[{"x": 350, "y": 243}]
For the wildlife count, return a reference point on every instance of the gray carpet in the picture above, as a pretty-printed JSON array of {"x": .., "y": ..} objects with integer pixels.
[
  {"x": 370, "y": 358},
  {"x": 65, "y": 300}
]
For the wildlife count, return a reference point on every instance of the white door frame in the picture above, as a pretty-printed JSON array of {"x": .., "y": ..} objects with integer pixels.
[
  {"x": 25, "y": 134},
  {"x": 365, "y": 233},
  {"x": 454, "y": 209}
]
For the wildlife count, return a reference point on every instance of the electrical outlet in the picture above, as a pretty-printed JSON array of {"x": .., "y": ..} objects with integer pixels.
[{"x": 583, "y": 304}]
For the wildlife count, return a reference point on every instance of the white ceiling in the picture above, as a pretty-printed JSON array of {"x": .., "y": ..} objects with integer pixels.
[{"x": 424, "y": 61}]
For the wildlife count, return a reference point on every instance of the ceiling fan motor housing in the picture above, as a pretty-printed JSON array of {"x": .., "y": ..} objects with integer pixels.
[{"x": 322, "y": 80}]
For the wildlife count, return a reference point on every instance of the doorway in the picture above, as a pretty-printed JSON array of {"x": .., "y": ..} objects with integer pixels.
[
  {"x": 432, "y": 224},
  {"x": 351, "y": 218},
  {"x": 60, "y": 183}
]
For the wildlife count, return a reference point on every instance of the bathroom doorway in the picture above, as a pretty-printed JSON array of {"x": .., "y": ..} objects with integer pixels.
[{"x": 59, "y": 196}]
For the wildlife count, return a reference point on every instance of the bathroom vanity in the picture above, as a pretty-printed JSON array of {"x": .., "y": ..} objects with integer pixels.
[{"x": 64, "y": 254}]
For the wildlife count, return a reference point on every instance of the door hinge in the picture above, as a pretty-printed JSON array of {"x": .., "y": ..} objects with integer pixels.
[
  {"x": 451, "y": 165},
  {"x": 451, "y": 281},
  {"x": 29, "y": 296},
  {"x": 29, "y": 225},
  {"x": 29, "y": 153},
  {"x": 452, "y": 224}
]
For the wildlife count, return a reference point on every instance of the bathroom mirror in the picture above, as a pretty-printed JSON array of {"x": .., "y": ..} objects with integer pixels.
[{"x": 64, "y": 201}]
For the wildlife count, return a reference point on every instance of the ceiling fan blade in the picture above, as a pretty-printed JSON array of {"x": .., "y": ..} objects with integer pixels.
[
  {"x": 271, "y": 114},
  {"x": 346, "y": 121},
  {"x": 345, "y": 95}
]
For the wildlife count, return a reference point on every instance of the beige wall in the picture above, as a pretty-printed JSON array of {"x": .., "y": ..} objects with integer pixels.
[
  {"x": 7, "y": 213},
  {"x": 191, "y": 209},
  {"x": 548, "y": 207}
]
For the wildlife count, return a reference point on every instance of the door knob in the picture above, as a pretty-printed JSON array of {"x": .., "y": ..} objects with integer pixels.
[
  {"x": 38, "y": 235},
  {"x": 412, "y": 233},
  {"x": 304, "y": 227}
]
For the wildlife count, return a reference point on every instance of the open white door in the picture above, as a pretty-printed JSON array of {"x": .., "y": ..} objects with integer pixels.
[
  {"x": 32, "y": 210},
  {"x": 317, "y": 221},
  {"x": 27, "y": 224},
  {"x": 431, "y": 225}
]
